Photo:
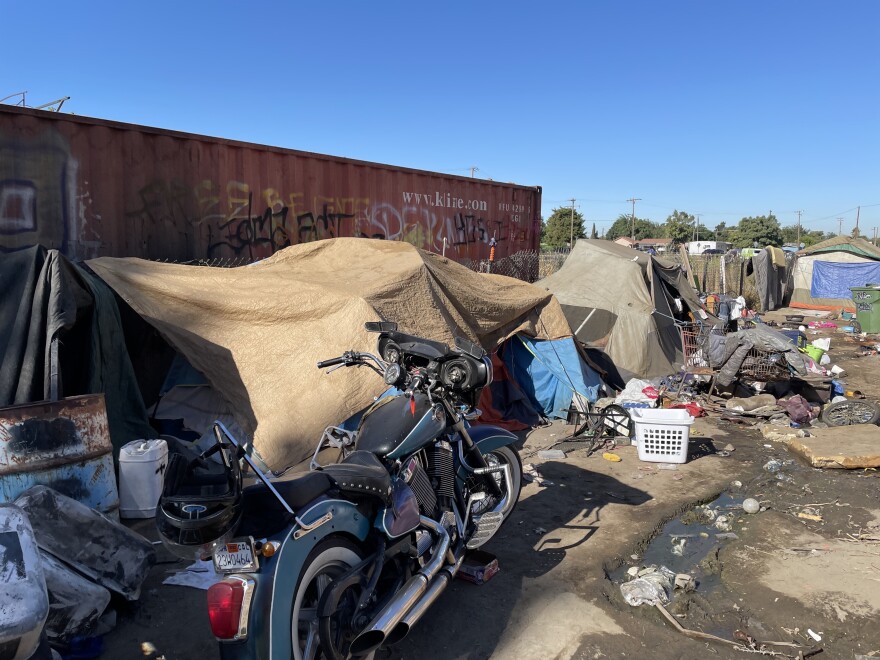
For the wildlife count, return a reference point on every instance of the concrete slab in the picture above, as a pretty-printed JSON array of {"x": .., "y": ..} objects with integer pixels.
[{"x": 849, "y": 447}]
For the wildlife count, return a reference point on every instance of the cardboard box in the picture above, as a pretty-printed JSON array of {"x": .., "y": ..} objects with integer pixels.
[{"x": 478, "y": 567}]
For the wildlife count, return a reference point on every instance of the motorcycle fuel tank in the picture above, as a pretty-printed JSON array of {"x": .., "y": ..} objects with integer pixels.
[{"x": 397, "y": 425}]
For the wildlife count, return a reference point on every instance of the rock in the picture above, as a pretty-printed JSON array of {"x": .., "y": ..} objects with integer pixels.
[
  {"x": 551, "y": 454},
  {"x": 729, "y": 447}
]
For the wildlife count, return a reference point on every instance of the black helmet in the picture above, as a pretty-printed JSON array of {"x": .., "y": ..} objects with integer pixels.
[{"x": 200, "y": 506}]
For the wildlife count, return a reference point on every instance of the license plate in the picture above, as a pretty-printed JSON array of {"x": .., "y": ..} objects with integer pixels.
[{"x": 235, "y": 556}]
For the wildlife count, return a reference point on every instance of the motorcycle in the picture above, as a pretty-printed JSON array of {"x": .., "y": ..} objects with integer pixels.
[{"x": 346, "y": 558}]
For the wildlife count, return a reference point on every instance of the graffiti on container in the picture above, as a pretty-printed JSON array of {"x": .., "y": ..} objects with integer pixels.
[
  {"x": 37, "y": 182},
  {"x": 863, "y": 307},
  {"x": 862, "y": 295},
  {"x": 238, "y": 220}
]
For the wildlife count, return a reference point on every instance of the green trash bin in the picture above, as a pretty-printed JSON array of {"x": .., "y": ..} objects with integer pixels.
[{"x": 867, "y": 300}]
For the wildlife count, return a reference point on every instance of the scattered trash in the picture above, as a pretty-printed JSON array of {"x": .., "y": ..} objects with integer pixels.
[
  {"x": 729, "y": 447},
  {"x": 751, "y": 505},
  {"x": 678, "y": 546},
  {"x": 809, "y": 516},
  {"x": 799, "y": 409},
  {"x": 667, "y": 466},
  {"x": 685, "y": 582},
  {"x": 751, "y": 403},
  {"x": 478, "y": 567},
  {"x": 24, "y": 605},
  {"x": 531, "y": 474},
  {"x": 540, "y": 531},
  {"x": 632, "y": 571},
  {"x": 723, "y": 523},
  {"x": 816, "y": 636},
  {"x": 88, "y": 541},
  {"x": 199, "y": 575},
  {"x": 651, "y": 587},
  {"x": 727, "y": 536},
  {"x": 551, "y": 454},
  {"x": 694, "y": 634},
  {"x": 614, "y": 458},
  {"x": 774, "y": 465},
  {"x": 75, "y": 603},
  {"x": 736, "y": 484}
]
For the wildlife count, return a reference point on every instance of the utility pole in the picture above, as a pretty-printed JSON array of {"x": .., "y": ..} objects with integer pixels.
[
  {"x": 839, "y": 226},
  {"x": 571, "y": 226},
  {"x": 474, "y": 169},
  {"x": 799, "y": 230},
  {"x": 875, "y": 236},
  {"x": 697, "y": 226},
  {"x": 632, "y": 224},
  {"x": 856, "y": 230}
]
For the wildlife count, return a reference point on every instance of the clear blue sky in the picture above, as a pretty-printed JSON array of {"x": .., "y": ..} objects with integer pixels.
[{"x": 721, "y": 108}]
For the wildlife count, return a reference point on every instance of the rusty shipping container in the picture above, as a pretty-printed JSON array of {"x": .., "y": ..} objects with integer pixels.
[{"x": 92, "y": 187}]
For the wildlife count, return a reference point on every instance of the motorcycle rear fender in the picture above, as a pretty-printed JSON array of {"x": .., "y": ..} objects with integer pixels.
[
  {"x": 487, "y": 438},
  {"x": 272, "y": 606}
]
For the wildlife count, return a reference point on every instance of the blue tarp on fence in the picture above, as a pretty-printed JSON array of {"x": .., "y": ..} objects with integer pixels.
[
  {"x": 548, "y": 372},
  {"x": 834, "y": 280}
]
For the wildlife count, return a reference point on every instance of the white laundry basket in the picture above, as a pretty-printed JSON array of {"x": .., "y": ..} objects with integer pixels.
[{"x": 663, "y": 434}]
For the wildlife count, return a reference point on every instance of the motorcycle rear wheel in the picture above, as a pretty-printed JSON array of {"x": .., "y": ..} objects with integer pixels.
[{"x": 327, "y": 561}]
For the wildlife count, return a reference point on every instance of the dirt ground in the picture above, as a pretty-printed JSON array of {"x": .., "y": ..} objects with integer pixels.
[{"x": 564, "y": 553}]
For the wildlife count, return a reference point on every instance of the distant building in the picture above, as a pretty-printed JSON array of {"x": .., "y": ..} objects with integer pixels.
[
  {"x": 658, "y": 244},
  {"x": 699, "y": 247},
  {"x": 646, "y": 244}
]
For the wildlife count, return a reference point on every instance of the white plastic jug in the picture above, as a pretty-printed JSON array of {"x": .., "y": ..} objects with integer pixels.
[{"x": 142, "y": 466}]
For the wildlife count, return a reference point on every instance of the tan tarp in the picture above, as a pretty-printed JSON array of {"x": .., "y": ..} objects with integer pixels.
[
  {"x": 603, "y": 289},
  {"x": 257, "y": 331}
]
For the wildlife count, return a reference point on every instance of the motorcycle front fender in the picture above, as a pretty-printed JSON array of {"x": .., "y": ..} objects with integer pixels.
[
  {"x": 269, "y": 634},
  {"x": 487, "y": 438}
]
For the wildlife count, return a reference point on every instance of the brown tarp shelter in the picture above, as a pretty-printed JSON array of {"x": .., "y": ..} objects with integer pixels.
[
  {"x": 624, "y": 302},
  {"x": 257, "y": 331}
]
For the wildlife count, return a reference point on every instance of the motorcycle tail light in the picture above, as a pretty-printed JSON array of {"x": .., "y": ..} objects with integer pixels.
[{"x": 227, "y": 608}]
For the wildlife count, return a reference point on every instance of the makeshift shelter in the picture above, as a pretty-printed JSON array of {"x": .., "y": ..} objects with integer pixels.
[
  {"x": 257, "y": 331},
  {"x": 535, "y": 380},
  {"x": 825, "y": 272},
  {"x": 627, "y": 303},
  {"x": 60, "y": 336}
]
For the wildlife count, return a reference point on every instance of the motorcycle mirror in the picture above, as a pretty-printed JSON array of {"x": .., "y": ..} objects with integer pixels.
[
  {"x": 470, "y": 348},
  {"x": 380, "y": 326}
]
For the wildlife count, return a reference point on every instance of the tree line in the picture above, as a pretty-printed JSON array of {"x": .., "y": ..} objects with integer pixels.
[{"x": 681, "y": 227}]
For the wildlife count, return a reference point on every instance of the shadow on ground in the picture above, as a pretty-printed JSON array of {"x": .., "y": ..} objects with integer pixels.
[{"x": 469, "y": 621}]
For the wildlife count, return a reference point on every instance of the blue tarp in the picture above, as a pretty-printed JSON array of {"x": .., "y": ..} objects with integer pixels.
[
  {"x": 834, "y": 280},
  {"x": 548, "y": 371}
]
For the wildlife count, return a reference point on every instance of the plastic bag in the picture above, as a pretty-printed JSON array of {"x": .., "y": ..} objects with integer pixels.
[{"x": 652, "y": 587}]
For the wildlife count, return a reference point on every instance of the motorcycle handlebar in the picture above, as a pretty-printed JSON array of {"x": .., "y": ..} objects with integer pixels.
[{"x": 331, "y": 362}]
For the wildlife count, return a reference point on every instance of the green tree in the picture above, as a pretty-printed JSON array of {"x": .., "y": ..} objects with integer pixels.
[
  {"x": 679, "y": 226},
  {"x": 643, "y": 228},
  {"x": 763, "y": 230},
  {"x": 594, "y": 234},
  {"x": 556, "y": 232}
]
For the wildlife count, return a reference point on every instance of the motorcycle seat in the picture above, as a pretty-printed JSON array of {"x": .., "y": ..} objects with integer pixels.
[
  {"x": 297, "y": 491},
  {"x": 361, "y": 473}
]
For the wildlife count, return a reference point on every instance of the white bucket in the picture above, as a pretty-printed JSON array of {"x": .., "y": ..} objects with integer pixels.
[{"x": 142, "y": 466}]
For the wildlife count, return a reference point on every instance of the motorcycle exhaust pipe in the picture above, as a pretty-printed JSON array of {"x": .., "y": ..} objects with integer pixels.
[
  {"x": 437, "y": 587},
  {"x": 373, "y": 636}
]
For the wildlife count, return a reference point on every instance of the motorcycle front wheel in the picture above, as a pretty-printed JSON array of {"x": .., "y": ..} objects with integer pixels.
[
  {"x": 507, "y": 502},
  {"x": 327, "y": 561}
]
